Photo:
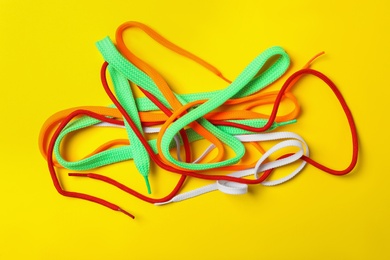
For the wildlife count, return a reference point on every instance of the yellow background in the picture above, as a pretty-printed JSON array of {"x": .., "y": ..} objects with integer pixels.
[{"x": 48, "y": 62}]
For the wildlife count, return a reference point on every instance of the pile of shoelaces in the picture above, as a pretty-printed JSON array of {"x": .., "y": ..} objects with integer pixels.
[{"x": 225, "y": 118}]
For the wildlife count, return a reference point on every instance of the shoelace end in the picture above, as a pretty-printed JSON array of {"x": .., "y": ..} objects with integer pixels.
[
  {"x": 126, "y": 213},
  {"x": 147, "y": 184}
]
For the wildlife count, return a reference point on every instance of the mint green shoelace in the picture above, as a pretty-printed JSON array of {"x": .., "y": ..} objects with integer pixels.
[{"x": 121, "y": 70}]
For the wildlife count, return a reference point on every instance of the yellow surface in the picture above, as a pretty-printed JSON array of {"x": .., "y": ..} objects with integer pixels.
[{"x": 49, "y": 62}]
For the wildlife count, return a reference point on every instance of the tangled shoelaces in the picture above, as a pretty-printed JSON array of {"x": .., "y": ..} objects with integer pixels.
[{"x": 226, "y": 118}]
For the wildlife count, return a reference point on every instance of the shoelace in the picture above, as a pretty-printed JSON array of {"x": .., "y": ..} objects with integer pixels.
[
  {"x": 203, "y": 122},
  {"x": 240, "y": 188},
  {"x": 171, "y": 195},
  {"x": 266, "y": 127},
  {"x": 263, "y": 99}
]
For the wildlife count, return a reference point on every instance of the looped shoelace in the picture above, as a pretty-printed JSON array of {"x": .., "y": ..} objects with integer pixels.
[
  {"x": 234, "y": 188},
  {"x": 184, "y": 119}
]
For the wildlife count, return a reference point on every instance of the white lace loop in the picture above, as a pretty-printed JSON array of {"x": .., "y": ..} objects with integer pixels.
[{"x": 234, "y": 188}]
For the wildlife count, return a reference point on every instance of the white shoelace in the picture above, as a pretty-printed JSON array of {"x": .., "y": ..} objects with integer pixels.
[{"x": 234, "y": 188}]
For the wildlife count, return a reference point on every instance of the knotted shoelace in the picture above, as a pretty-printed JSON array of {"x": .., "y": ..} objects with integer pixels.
[{"x": 226, "y": 118}]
